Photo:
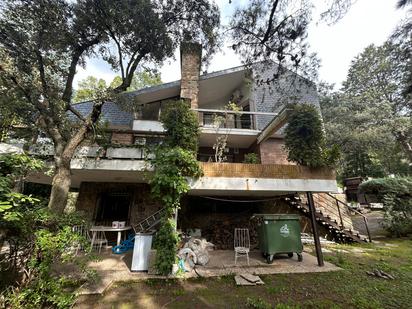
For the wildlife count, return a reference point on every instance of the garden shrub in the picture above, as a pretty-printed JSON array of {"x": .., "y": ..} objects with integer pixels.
[
  {"x": 305, "y": 139},
  {"x": 165, "y": 242},
  {"x": 401, "y": 186},
  {"x": 251, "y": 158},
  {"x": 396, "y": 196},
  {"x": 37, "y": 239}
]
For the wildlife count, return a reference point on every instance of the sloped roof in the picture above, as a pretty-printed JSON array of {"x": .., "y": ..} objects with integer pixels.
[{"x": 112, "y": 113}]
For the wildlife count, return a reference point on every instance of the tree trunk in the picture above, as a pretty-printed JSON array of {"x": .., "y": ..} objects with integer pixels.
[
  {"x": 407, "y": 147},
  {"x": 60, "y": 189},
  {"x": 64, "y": 153}
]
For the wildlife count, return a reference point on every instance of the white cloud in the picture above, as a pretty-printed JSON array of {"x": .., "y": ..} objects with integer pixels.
[{"x": 97, "y": 68}]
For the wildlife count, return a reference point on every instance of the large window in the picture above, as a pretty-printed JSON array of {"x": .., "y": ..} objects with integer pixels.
[
  {"x": 150, "y": 111},
  {"x": 245, "y": 120}
]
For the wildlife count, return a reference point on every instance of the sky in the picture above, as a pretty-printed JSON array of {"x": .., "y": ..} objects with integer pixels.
[{"x": 367, "y": 22}]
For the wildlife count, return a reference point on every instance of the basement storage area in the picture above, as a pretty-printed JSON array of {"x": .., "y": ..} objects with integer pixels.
[{"x": 216, "y": 217}]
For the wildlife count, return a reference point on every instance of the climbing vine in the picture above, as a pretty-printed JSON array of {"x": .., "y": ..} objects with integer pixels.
[{"x": 174, "y": 162}]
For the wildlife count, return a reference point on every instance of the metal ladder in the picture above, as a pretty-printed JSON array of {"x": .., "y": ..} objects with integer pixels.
[{"x": 149, "y": 222}]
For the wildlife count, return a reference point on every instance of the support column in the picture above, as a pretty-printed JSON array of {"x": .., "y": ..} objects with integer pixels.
[{"x": 312, "y": 211}]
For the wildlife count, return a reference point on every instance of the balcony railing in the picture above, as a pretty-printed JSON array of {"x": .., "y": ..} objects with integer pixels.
[
  {"x": 243, "y": 170},
  {"x": 225, "y": 120},
  {"x": 229, "y": 119}
]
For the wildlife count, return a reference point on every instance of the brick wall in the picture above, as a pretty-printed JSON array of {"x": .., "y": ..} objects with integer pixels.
[
  {"x": 190, "y": 69},
  {"x": 217, "y": 220},
  {"x": 272, "y": 152},
  {"x": 122, "y": 138}
]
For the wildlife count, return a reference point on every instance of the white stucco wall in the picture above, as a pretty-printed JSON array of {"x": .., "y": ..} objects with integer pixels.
[{"x": 267, "y": 186}]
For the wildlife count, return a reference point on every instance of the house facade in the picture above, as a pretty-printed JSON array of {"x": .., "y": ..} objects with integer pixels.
[{"x": 112, "y": 181}]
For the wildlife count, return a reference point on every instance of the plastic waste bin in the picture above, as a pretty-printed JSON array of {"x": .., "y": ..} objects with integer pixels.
[
  {"x": 142, "y": 246},
  {"x": 279, "y": 233}
]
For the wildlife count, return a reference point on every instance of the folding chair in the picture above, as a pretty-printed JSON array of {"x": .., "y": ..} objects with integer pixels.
[
  {"x": 99, "y": 240},
  {"x": 242, "y": 244},
  {"x": 83, "y": 231}
]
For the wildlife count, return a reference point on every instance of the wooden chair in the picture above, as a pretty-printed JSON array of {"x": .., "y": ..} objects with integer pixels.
[{"x": 242, "y": 244}]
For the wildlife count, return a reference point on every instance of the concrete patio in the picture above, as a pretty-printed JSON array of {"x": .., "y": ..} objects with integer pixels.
[{"x": 113, "y": 268}]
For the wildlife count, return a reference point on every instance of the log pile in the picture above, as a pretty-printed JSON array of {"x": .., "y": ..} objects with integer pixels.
[{"x": 221, "y": 232}]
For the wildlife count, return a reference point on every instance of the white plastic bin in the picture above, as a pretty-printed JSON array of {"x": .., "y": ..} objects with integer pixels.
[{"x": 142, "y": 246}]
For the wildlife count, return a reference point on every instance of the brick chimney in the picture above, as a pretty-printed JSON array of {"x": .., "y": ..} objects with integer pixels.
[{"x": 190, "y": 59}]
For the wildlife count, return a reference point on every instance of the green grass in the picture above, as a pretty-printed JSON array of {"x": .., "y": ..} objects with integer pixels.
[{"x": 349, "y": 288}]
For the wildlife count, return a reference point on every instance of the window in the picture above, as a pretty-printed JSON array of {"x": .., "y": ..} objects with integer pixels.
[
  {"x": 246, "y": 119},
  {"x": 208, "y": 119},
  {"x": 150, "y": 111},
  {"x": 113, "y": 206}
]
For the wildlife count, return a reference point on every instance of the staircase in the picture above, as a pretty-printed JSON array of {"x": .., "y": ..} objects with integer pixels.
[
  {"x": 331, "y": 213},
  {"x": 150, "y": 222}
]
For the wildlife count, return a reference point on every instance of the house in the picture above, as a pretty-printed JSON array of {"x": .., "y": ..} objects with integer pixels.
[{"x": 113, "y": 182}]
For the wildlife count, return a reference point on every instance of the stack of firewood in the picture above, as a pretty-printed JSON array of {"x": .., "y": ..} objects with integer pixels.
[{"x": 221, "y": 232}]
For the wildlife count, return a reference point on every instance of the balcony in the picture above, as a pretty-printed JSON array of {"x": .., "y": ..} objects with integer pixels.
[
  {"x": 148, "y": 126},
  {"x": 278, "y": 171},
  {"x": 93, "y": 164},
  {"x": 239, "y": 127},
  {"x": 226, "y": 119},
  {"x": 93, "y": 152},
  {"x": 239, "y": 179}
]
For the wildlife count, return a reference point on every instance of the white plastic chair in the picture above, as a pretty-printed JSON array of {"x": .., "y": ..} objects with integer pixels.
[
  {"x": 99, "y": 239},
  {"x": 83, "y": 231},
  {"x": 242, "y": 244}
]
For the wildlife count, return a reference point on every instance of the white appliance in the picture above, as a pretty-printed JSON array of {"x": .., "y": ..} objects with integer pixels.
[{"x": 142, "y": 246}]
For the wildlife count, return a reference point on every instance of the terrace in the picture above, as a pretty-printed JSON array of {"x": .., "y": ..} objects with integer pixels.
[
  {"x": 112, "y": 268},
  {"x": 127, "y": 164}
]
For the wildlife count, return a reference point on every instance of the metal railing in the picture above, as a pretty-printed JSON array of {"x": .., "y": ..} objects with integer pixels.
[
  {"x": 229, "y": 120},
  {"x": 340, "y": 205},
  {"x": 333, "y": 209}
]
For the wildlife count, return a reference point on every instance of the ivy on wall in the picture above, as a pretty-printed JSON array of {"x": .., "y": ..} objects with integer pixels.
[
  {"x": 181, "y": 124},
  {"x": 174, "y": 162}
]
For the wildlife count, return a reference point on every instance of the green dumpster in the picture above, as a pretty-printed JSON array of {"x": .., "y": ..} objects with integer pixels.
[{"x": 279, "y": 233}]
